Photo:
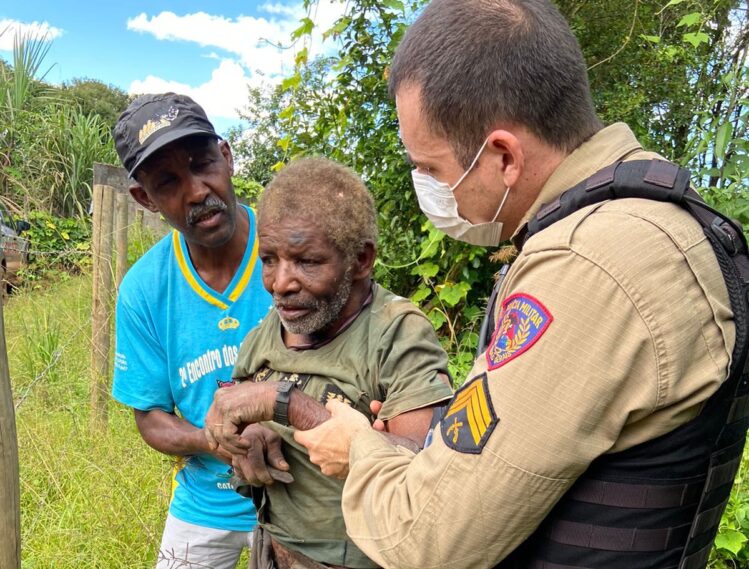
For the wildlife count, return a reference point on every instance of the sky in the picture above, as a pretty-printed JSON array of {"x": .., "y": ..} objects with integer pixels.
[{"x": 210, "y": 51}]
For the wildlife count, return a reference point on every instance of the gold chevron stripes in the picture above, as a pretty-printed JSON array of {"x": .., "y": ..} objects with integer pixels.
[{"x": 474, "y": 400}]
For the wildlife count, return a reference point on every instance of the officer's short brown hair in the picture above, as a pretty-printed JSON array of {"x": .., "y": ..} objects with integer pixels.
[
  {"x": 326, "y": 193},
  {"x": 482, "y": 62}
]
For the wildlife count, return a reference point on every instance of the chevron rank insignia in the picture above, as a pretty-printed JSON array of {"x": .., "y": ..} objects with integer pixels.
[
  {"x": 470, "y": 417},
  {"x": 522, "y": 322}
]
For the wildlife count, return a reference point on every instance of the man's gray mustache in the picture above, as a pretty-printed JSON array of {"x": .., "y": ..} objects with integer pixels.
[{"x": 210, "y": 205}]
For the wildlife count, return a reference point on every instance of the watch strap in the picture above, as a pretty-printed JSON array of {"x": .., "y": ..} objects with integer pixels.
[{"x": 281, "y": 409}]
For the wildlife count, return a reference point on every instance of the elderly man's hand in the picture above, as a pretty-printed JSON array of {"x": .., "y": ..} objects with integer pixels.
[
  {"x": 233, "y": 409},
  {"x": 329, "y": 443},
  {"x": 264, "y": 451}
]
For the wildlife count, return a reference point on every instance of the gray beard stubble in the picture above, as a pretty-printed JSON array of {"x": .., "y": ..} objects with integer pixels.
[{"x": 323, "y": 312}]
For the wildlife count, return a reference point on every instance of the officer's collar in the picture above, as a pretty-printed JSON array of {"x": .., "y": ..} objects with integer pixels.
[{"x": 606, "y": 146}]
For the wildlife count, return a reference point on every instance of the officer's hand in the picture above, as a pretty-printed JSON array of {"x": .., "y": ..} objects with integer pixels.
[
  {"x": 233, "y": 409},
  {"x": 263, "y": 451},
  {"x": 329, "y": 443},
  {"x": 378, "y": 425}
]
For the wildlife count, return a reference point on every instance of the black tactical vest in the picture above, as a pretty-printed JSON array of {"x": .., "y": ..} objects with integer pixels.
[{"x": 656, "y": 505}]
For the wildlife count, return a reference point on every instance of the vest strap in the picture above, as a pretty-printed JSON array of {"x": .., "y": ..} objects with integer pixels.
[
  {"x": 698, "y": 559},
  {"x": 707, "y": 520},
  {"x": 539, "y": 564},
  {"x": 629, "y": 495},
  {"x": 723, "y": 473},
  {"x": 739, "y": 409},
  {"x": 617, "y": 539}
]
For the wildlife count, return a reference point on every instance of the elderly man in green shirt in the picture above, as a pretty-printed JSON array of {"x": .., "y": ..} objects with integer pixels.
[{"x": 334, "y": 334}]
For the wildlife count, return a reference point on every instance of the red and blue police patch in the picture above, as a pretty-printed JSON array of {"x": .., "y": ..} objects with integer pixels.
[{"x": 522, "y": 321}]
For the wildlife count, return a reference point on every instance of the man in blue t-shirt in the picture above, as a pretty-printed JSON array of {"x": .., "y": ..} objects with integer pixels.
[{"x": 182, "y": 312}]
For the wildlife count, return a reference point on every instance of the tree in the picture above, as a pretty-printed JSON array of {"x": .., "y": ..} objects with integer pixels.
[
  {"x": 255, "y": 147},
  {"x": 97, "y": 98}
]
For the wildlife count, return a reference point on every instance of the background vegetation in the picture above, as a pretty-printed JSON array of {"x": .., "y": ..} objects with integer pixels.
[{"x": 675, "y": 71}]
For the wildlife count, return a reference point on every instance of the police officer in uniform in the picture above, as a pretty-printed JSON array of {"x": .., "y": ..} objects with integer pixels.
[{"x": 585, "y": 434}]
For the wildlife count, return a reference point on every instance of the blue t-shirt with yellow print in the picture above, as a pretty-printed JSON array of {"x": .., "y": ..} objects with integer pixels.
[{"x": 177, "y": 341}]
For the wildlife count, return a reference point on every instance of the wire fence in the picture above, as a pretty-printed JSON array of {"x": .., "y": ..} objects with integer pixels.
[{"x": 76, "y": 482}]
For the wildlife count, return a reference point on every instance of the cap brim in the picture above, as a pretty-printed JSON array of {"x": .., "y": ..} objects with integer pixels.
[{"x": 167, "y": 138}]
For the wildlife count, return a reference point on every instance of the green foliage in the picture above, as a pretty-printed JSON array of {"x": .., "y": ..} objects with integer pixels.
[
  {"x": 94, "y": 97},
  {"x": 47, "y": 145},
  {"x": 60, "y": 247},
  {"x": 139, "y": 240},
  {"x": 732, "y": 543},
  {"x": 255, "y": 147},
  {"x": 20, "y": 94},
  {"x": 65, "y": 144},
  {"x": 247, "y": 191}
]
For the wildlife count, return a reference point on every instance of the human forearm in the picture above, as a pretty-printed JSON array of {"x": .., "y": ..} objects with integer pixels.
[
  {"x": 250, "y": 402},
  {"x": 306, "y": 412},
  {"x": 409, "y": 429},
  {"x": 170, "y": 434},
  {"x": 393, "y": 499}
]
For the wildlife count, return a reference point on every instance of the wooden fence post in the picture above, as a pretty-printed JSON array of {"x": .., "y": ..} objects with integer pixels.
[
  {"x": 122, "y": 226},
  {"x": 107, "y": 181},
  {"x": 10, "y": 510}
]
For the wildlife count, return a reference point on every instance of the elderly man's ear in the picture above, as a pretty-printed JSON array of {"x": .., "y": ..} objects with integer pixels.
[{"x": 364, "y": 262}]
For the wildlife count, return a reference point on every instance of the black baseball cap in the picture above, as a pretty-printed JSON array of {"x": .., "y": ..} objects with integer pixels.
[{"x": 153, "y": 121}]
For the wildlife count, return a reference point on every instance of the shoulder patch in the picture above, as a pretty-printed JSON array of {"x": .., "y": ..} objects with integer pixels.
[
  {"x": 470, "y": 417},
  {"x": 522, "y": 321}
]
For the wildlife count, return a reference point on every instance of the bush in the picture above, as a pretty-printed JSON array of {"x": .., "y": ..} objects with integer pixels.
[{"x": 59, "y": 247}]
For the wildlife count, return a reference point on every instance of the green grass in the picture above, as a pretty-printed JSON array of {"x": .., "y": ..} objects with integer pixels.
[{"x": 88, "y": 500}]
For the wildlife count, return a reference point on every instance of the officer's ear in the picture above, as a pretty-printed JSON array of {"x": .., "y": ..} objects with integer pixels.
[
  {"x": 141, "y": 196},
  {"x": 508, "y": 154}
]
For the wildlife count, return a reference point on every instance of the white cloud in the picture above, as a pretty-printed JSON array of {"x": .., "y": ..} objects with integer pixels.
[
  {"x": 10, "y": 28},
  {"x": 220, "y": 96},
  {"x": 255, "y": 49},
  {"x": 277, "y": 8},
  {"x": 240, "y": 37}
]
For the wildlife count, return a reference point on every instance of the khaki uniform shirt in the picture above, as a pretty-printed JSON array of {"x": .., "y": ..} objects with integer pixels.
[
  {"x": 615, "y": 327},
  {"x": 389, "y": 353}
]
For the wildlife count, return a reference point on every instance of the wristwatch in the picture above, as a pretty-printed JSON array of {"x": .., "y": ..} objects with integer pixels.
[{"x": 281, "y": 410}]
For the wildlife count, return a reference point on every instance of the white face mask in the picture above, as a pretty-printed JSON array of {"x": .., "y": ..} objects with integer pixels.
[{"x": 437, "y": 201}]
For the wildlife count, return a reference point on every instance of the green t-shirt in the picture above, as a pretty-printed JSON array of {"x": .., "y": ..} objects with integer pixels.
[{"x": 389, "y": 353}]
